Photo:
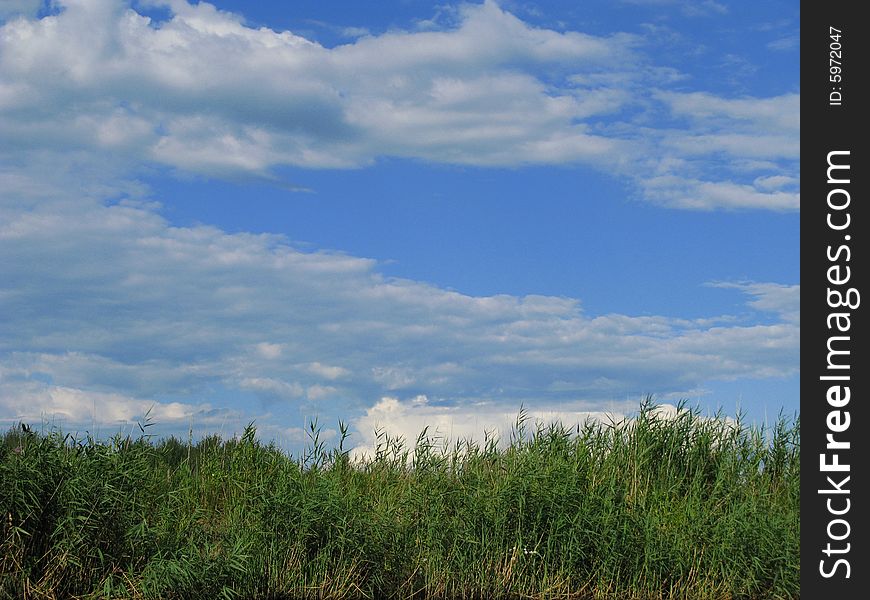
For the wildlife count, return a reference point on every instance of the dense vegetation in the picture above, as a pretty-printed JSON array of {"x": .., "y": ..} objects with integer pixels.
[{"x": 649, "y": 508}]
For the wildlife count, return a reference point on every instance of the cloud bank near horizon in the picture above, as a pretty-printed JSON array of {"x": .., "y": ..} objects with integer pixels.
[{"x": 117, "y": 301}]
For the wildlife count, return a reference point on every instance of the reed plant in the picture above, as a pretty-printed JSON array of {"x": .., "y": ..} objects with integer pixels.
[{"x": 653, "y": 507}]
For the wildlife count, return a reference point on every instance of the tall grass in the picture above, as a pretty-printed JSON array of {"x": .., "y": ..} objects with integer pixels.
[{"x": 651, "y": 508}]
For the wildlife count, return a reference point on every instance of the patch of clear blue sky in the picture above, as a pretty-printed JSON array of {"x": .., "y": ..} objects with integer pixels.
[{"x": 544, "y": 230}]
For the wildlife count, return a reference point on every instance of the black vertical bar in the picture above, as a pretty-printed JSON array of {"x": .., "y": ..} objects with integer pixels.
[{"x": 834, "y": 226}]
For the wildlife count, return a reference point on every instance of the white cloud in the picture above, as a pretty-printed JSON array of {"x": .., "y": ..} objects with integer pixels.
[
  {"x": 34, "y": 401},
  {"x": 329, "y": 372},
  {"x": 154, "y": 311},
  {"x": 775, "y": 182},
  {"x": 757, "y": 138},
  {"x": 785, "y": 44},
  {"x": 690, "y": 8},
  {"x": 272, "y": 388},
  {"x": 784, "y": 300},
  {"x": 771, "y": 114},
  {"x": 704, "y": 8},
  {"x": 445, "y": 425},
  {"x": 269, "y": 351},
  {"x": 684, "y": 192},
  {"x": 101, "y": 88}
]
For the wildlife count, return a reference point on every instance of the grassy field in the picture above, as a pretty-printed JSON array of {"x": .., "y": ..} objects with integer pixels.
[{"x": 652, "y": 508}]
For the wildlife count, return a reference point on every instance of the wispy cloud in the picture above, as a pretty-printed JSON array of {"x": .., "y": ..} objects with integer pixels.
[
  {"x": 785, "y": 44},
  {"x": 783, "y": 300},
  {"x": 689, "y": 8},
  {"x": 756, "y": 137}
]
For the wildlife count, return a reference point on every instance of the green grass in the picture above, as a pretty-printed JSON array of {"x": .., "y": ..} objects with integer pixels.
[{"x": 650, "y": 508}]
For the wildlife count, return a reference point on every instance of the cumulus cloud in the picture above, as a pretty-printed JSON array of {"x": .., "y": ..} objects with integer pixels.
[
  {"x": 448, "y": 424},
  {"x": 100, "y": 86}
]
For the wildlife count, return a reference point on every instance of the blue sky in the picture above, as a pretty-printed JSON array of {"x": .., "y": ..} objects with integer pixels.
[{"x": 395, "y": 213}]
